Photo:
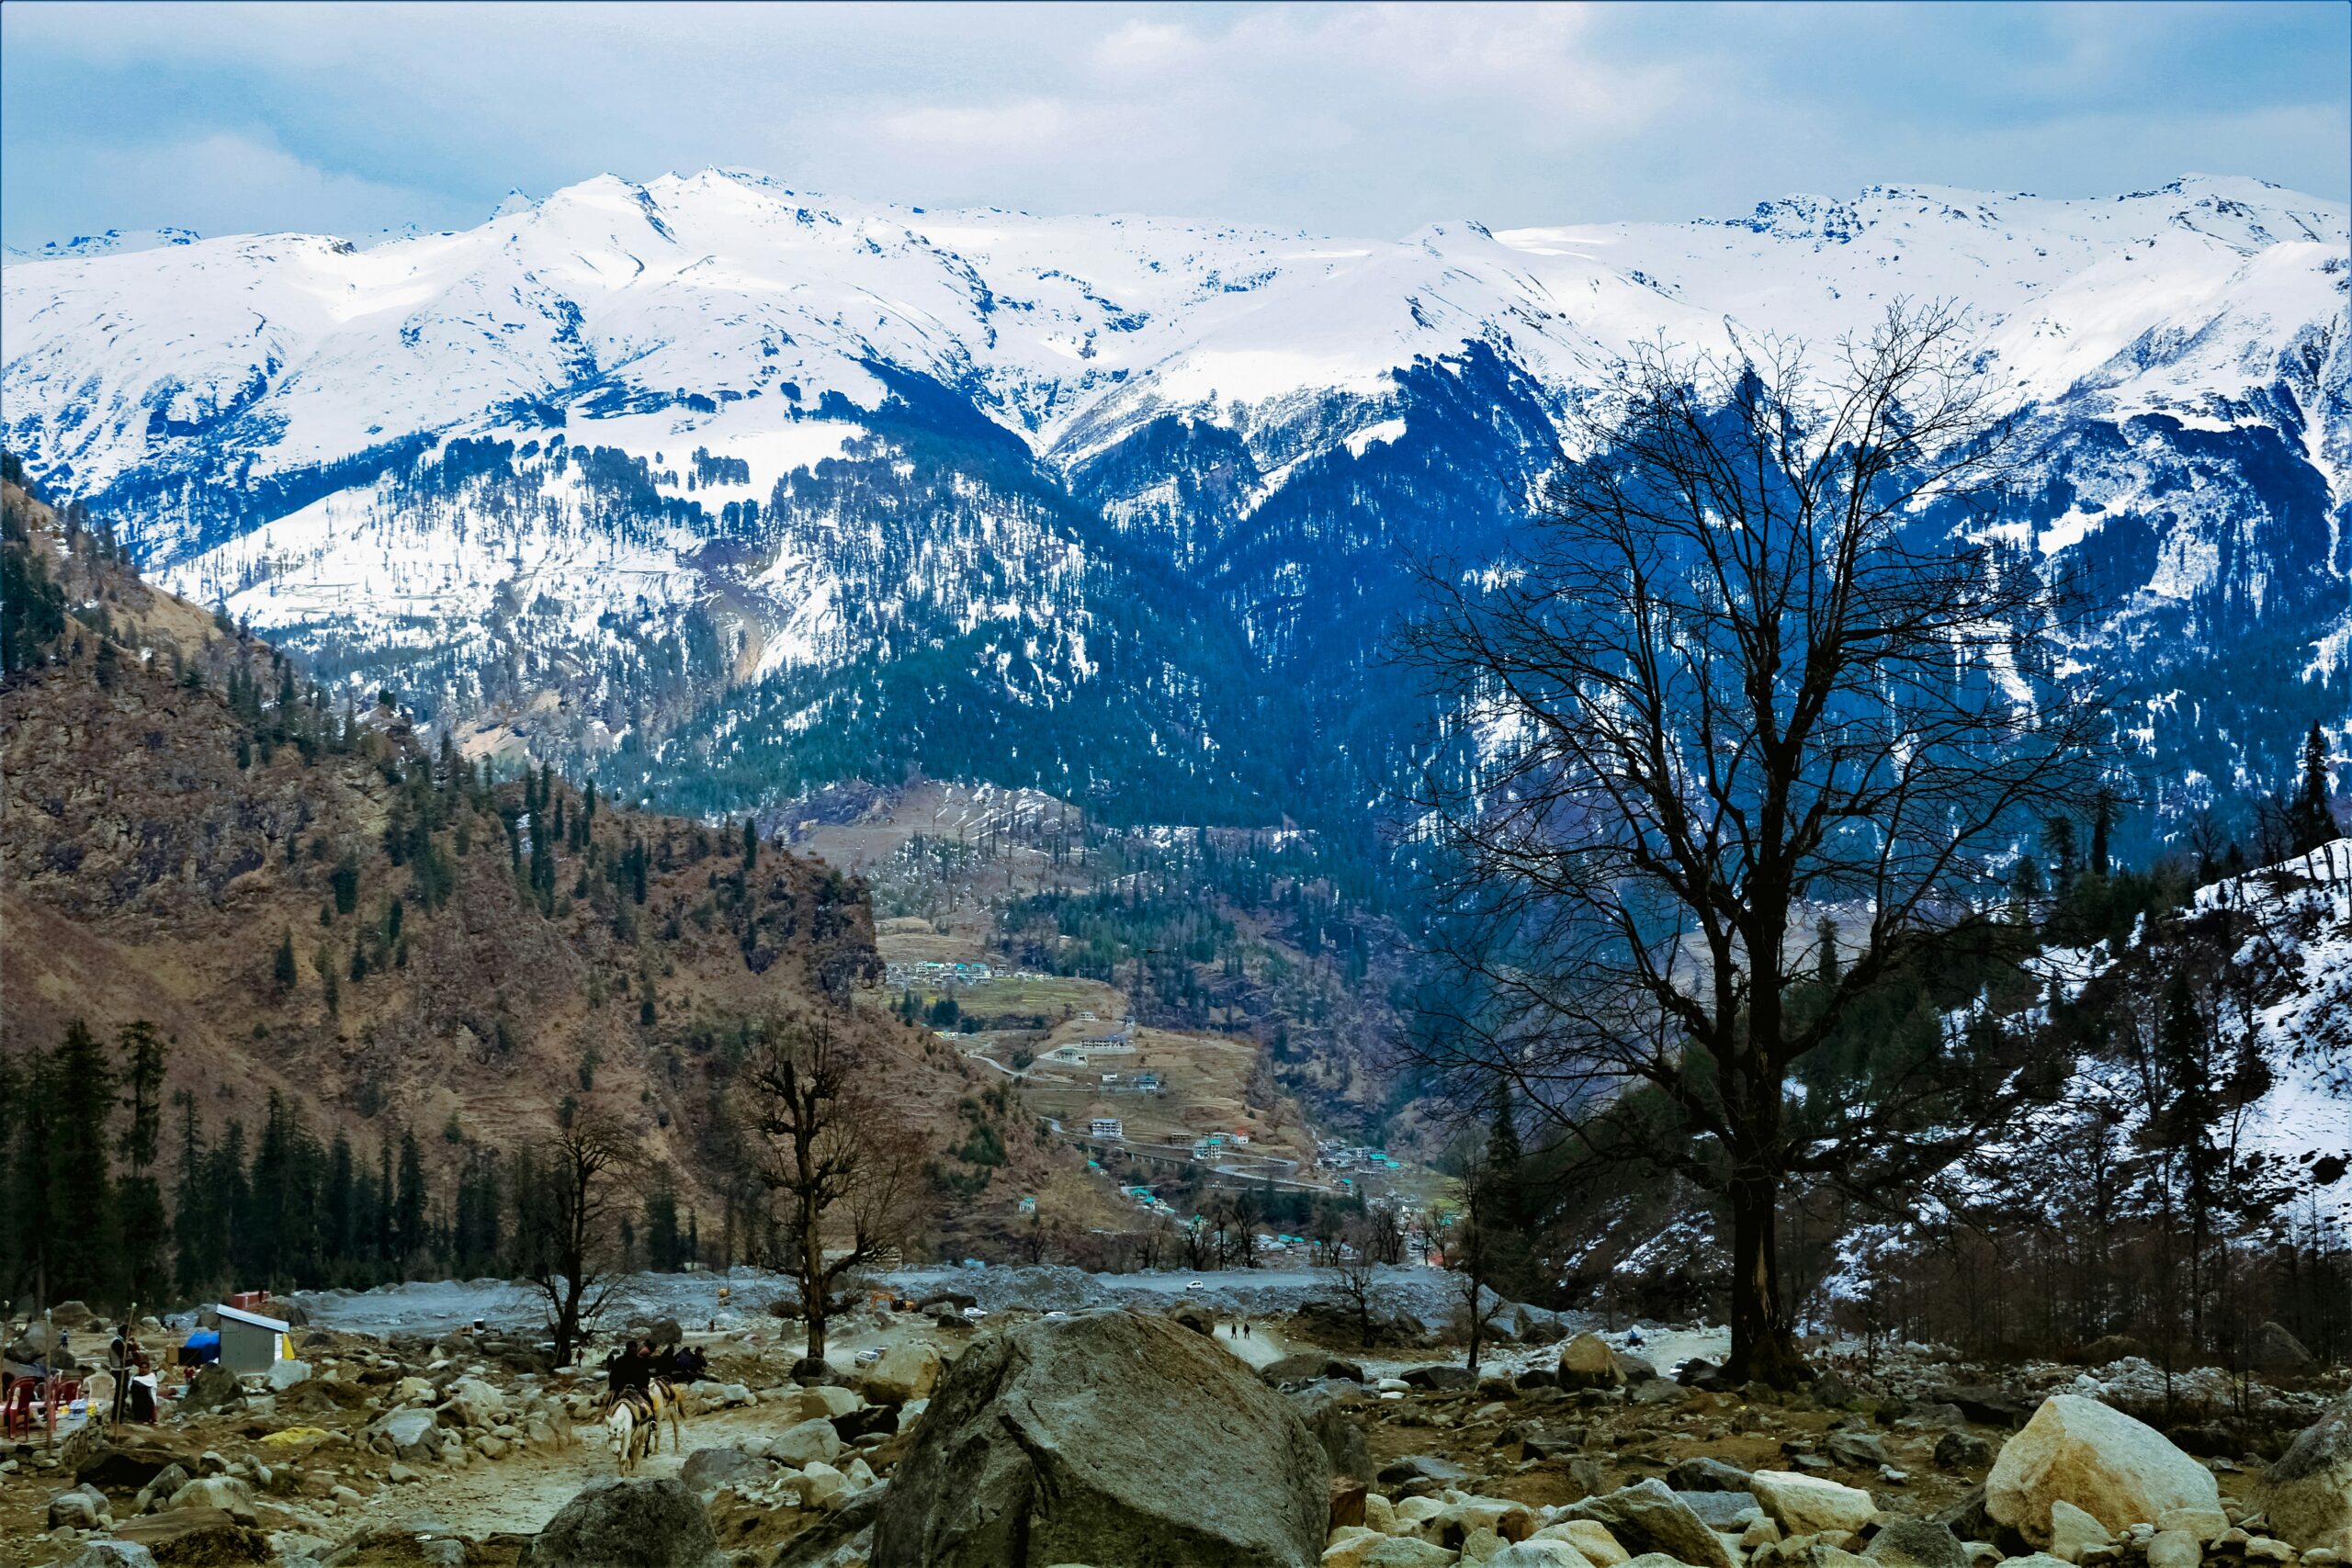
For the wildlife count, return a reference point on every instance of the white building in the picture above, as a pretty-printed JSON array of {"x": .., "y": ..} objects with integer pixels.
[{"x": 1105, "y": 1127}]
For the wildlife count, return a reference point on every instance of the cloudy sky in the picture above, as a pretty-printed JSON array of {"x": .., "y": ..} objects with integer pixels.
[{"x": 1362, "y": 119}]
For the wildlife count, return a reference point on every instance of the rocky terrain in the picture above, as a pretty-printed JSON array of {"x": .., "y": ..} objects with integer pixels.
[{"x": 942, "y": 1433}]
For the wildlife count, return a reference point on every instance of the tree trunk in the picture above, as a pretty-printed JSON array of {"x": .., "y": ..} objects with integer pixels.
[
  {"x": 1761, "y": 1346},
  {"x": 812, "y": 1285}
]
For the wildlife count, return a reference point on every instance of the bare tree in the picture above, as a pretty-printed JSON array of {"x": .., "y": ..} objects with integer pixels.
[
  {"x": 1755, "y": 663},
  {"x": 1356, "y": 1269},
  {"x": 571, "y": 1192},
  {"x": 843, "y": 1161},
  {"x": 1471, "y": 1250}
]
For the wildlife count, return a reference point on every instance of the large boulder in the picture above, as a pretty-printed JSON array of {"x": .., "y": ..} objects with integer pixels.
[
  {"x": 1646, "y": 1517},
  {"x": 2276, "y": 1350},
  {"x": 2120, "y": 1471},
  {"x": 1108, "y": 1437},
  {"x": 903, "y": 1372},
  {"x": 110, "y": 1554},
  {"x": 2308, "y": 1493},
  {"x": 1587, "y": 1361},
  {"x": 213, "y": 1388},
  {"x": 708, "y": 1470},
  {"x": 1809, "y": 1505},
  {"x": 1903, "y": 1541},
  {"x": 1341, "y": 1437},
  {"x": 626, "y": 1522},
  {"x": 407, "y": 1434}
]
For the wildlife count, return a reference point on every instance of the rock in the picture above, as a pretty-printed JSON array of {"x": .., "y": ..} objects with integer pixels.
[
  {"x": 1930, "y": 1416},
  {"x": 95, "y": 1456},
  {"x": 213, "y": 1388},
  {"x": 1535, "y": 1553},
  {"x": 1856, "y": 1450},
  {"x": 1706, "y": 1475},
  {"x": 1808, "y": 1505},
  {"x": 407, "y": 1434},
  {"x": 1587, "y": 1361},
  {"x": 708, "y": 1470},
  {"x": 821, "y": 1483},
  {"x": 2276, "y": 1351},
  {"x": 626, "y": 1522},
  {"x": 2175, "y": 1548},
  {"x": 1699, "y": 1372},
  {"x": 1422, "y": 1467},
  {"x": 1199, "y": 1319},
  {"x": 284, "y": 1375},
  {"x": 2200, "y": 1525},
  {"x": 1107, "y": 1438},
  {"x": 1311, "y": 1366},
  {"x": 1963, "y": 1451},
  {"x": 478, "y": 1403},
  {"x": 401, "y": 1475},
  {"x": 826, "y": 1401},
  {"x": 1646, "y": 1518},
  {"x": 1631, "y": 1368},
  {"x": 225, "y": 1493},
  {"x": 110, "y": 1554},
  {"x": 196, "y": 1536},
  {"x": 2307, "y": 1495},
  {"x": 1724, "y": 1512},
  {"x": 1378, "y": 1552},
  {"x": 1342, "y": 1439},
  {"x": 904, "y": 1372},
  {"x": 2119, "y": 1470},
  {"x": 810, "y": 1371},
  {"x": 2075, "y": 1534},
  {"x": 1906, "y": 1542},
  {"x": 812, "y": 1441},
  {"x": 1591, "y": 1538},
  {"x": 1984, "y": 1403},
  {"x": 1347, "y": 1496},
  {"x": 1440, "y": 1378},
  {"x": 81, "y": 1506}
]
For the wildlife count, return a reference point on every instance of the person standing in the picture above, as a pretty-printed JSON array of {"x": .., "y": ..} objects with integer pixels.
[{"x": 124, "y": 1359}]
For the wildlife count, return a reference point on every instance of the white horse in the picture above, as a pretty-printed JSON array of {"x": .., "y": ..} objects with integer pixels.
[
  {"x": 633, "y": 1424},
  {"x": 627, "y": 1437}
]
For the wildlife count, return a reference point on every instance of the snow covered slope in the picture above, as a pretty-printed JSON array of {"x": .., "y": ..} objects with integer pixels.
[{"x": 836, "y": 432}]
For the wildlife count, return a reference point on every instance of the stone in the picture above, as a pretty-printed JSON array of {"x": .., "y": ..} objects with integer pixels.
[
  {"x": 1311, "y": 1366},
  {"x": 2266, "y": 1549},
  {"x": 1422, "y": 1467},
  {"x": 1591, "y": 1538},
  {"x": 407, "y": 1434},
  {"x": 1440, "y": 1379},
  {"x": 821, "y": 1483},
  {"x": 1722, "y": 1511},
  {"x": 1587, "y": 1361},
  {"x": 2307, "y": 1495},
  {"x": 2075, "y": 1534},
  {"x": 110, "y": 1554},
  {"x": 1856, "y": 1450},
  {"x": 196, "y": 1536},
  {"x": 1535, "y": 1553},
  {"x": 1646, "y": 1517},
  {"x": 1903, "y": 1541},
  {"x": 902, "y": 1373},
  {"x": 225, "y": 1493},
  {"x": 1105, "y": 1438},
  {"x": 213, "y": 1388},
  {"x": 2175, "y": 1548},
  {"x": 283, "y": 1375},
  {"x": 1706, "y": 1475},
  {"x": 1633, "y": 1369},
  {"x": 812, "y": 1441},
  {"x": 478, "y": 1403},
  {"x": 1963, "y": 1451},
  {"x": 626, "y": 1522},
  {"x": 1342, "y": 1439},
  {"x": 708, "y": 1470},
  {"x": 1987, "y": 1403},
  {"x": 81, "y": 1506},
  {"x": 1807, "y": 1505},
  {"x": 1364, "y": 1551},
  {"x": 2200, "y": 1525},
  {"x": 2119, "y": 1470},
  {"x": 1347, "y": 1495},
  {"x": 2276, "y": 1351},
  {"x": 826, "y": 1401}
]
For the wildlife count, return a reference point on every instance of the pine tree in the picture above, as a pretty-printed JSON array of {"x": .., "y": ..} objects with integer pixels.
[
  {"x": 2314, "y": 817},
  {"x": 83, "y": 1248},
  {"x": 751, "y": 844},
  {"x": 145, "y": 1226},
  {"x": 287, "y": 971},
  {"x": 187, "y": 1209},
  {"x": 408, "y": 1237}
]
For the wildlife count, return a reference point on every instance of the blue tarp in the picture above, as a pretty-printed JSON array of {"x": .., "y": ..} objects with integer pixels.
[{"x": 206, "y": 1343}]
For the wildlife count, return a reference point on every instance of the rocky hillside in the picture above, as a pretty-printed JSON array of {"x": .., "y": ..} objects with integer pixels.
[{"x": 311, "y": 904}]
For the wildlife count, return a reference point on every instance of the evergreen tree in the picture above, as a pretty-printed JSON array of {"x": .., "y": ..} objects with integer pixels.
[
  {"x": 145, "y": 1228},
  {"x": 2102, "y": 820},
  {"x": 83, "y": 1245},
  {"x": 187, "y": 1211},
  {"x": 751, "y": 844},
  {"x": 285, "y": 972},
  {"x": 28, "y": 1216},
  {"x": 408, "y": 1237},
  {"x": 229, "y": 1206},
  {"x": 2314, "y": 817}
]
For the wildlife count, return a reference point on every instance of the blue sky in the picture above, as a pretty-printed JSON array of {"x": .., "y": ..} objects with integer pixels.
[{"x": 1359, "y": 120}]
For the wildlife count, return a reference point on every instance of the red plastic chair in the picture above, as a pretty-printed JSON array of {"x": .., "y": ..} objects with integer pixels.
[{"x": 16, "y": 1414}]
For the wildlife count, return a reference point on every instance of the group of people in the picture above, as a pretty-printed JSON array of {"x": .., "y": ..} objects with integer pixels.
[{"x": 630, "y": 1370}]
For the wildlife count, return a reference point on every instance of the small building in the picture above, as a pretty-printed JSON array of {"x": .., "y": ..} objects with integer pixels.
[
  {"x": 1106, "y": 1127},
  {"x": 250, "y": 1342}
]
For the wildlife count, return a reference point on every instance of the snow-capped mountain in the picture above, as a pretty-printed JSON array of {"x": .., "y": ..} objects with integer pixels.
[{"x": 739, "y": 489}]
